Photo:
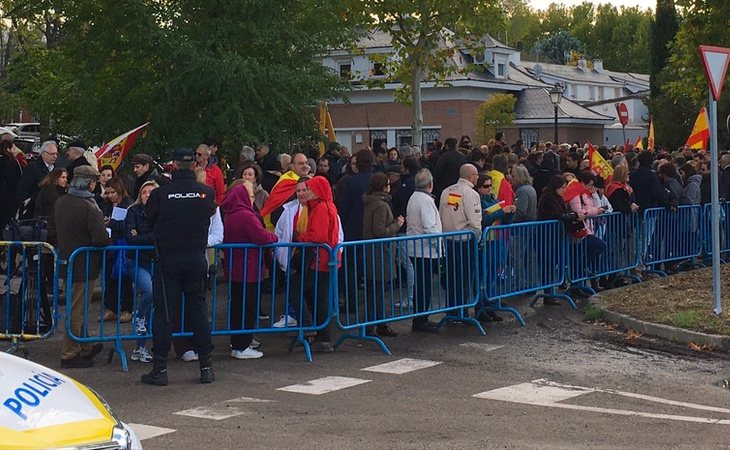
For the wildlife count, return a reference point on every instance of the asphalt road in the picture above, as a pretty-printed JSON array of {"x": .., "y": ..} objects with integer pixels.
[{"x": 556, "y": 383}]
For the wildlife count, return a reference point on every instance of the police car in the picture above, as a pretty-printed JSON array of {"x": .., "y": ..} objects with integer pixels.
[{"x": 41, "y": 408}]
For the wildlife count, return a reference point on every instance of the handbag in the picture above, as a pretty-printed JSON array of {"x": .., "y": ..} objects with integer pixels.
[{"x": 576, "y": 228}]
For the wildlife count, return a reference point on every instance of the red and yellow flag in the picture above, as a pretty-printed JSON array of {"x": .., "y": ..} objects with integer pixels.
[
  {"x": 115, "y": 151},
  {"x": 700, "y": 131},
  {"x": 280, "y": 194},
  {"x": 599, "y": 165},
  {"x": 325, "y": 125},
  {"x": 639, "y": 144},
  {"x": 650, "y": 140}
]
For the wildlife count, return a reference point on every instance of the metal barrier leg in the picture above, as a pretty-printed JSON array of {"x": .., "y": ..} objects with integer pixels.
[
  {"x": 363, "y": 336},
  {"x": 122, "y": 355},
  {"x": 459, "y": 317},
  {"x": 16, "y": 344},
  {"x": 302, "y": 339},
  {"x": 490, "y": 306},
  {"x": 551, "y": 293}
]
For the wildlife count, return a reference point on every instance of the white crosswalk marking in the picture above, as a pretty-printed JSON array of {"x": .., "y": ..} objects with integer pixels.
[
  {"x": 148, "y": 431},
  {"x": 218, "y": 411},
  {"x": 324, "y": 385},
  {"x": 402, "y": 366}
]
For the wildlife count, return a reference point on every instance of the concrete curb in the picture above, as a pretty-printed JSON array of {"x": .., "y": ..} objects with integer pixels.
[{"x": 668, "y": 332}]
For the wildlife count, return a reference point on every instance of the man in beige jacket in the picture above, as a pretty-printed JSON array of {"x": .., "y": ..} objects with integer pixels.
[{"x": 460, "y": 210}]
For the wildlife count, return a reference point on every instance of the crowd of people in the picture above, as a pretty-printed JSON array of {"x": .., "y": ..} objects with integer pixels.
[{"x": 304, "y": 197}]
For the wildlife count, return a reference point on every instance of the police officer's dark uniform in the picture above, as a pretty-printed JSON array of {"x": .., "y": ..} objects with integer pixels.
[{"x": 179, "y": 216}]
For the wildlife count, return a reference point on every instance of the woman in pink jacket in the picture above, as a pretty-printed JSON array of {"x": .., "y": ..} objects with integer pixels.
[
  {"x": 241, "y": 225},
  {"x": 579, "y": 198}
]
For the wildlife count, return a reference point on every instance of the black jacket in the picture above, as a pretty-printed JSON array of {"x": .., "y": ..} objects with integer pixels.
[
  {"x": 179, "y": 215},
  {"x": 137, "y": 220},
  {"x": 151, "y": 175},
  {"x": 446, "y": 171},
  {"x": 28, "y": 186},
  {"x": 647, "y": 188},
  {"x": 402, "y": 194},
  {"x": 117, "y": 226}
]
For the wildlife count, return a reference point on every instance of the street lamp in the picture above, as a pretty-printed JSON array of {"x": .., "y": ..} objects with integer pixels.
[{"x": 556, "y": 94}]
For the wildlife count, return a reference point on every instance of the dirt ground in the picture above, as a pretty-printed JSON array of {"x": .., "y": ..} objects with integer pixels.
[{"x": 683, "y": 300}]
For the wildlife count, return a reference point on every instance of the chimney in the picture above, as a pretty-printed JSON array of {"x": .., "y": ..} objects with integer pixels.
[
  {"x": 582, "y": 64},
  {"x": 598, "y": 65}
]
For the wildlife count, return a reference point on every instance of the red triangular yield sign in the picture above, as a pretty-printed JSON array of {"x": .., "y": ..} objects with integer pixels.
[{"x": 715, "y": 60}]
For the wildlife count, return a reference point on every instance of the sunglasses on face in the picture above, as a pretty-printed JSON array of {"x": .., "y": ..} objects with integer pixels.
[{"x": 486, "y": 186}]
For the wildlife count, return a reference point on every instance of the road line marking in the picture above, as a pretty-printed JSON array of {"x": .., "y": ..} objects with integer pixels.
[
  {"x": 402, "y": 366},
  {"x": 148, "y": 431},
  {"x": 542, "y": 392},
  {"x": 249, "y": 400},
  {"x": 323, "y": 385},
  {"x": 217, "y": 411},
  {"x": 484, "y": 347}
]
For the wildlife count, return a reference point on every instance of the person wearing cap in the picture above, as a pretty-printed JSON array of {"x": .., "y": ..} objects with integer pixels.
[
  {"x": 76, "y": 221},
  {"x": 144, "y": 169},
  {"x": 75, "y": 156},
  {"x": 179, "y": 216},
  {"x": 336, "y": 160}
]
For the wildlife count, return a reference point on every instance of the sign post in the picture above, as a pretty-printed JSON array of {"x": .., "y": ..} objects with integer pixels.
[
  {"x": 715, "y": 61},
  {"x": 623, "y": 117}
]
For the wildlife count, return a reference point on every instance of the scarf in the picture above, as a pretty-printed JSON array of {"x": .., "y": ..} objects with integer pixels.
[{"x": 615, "y": 186}]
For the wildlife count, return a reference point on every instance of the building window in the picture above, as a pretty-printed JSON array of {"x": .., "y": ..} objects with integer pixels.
[
  {"x": 573, "y": 91},
  {"x": 346, "y": 71},
  {"x": 429, "y": 137},
  {"x": 591, "y": 92},
  {"x": 500, "y": 70},
  {"x": 403, "y": 137},
  {"x": 616, "y": 92},
  {"x": 378, "y": 136},
  {"x": 529, "y": 135},
  {"x": 378, "y": 69},
  {"x": 600, "y": 93}
]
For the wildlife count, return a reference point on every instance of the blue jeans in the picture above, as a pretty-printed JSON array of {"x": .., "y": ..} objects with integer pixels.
[
  {"x": 406, "y": 263},
  {"x": 143, "y": 279}
]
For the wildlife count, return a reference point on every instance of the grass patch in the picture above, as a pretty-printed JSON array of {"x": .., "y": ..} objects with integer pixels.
[
  {"x": 683, "y": 300},
  {"x": 686, "y": 319},
  {"x": 591, "y": 313}
]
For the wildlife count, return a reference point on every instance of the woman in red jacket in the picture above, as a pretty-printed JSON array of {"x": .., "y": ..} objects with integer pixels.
[
  {"x": 241, "y": 225},
  {"x": 322, "y": 228}
]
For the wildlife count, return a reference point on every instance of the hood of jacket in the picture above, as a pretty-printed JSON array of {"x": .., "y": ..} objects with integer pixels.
[
  {"x": 696, "y": 178},
  {"x": 237, "y": 200},
  {"x": 368, "y": 199},
  {"x": 321, "y": 188}
]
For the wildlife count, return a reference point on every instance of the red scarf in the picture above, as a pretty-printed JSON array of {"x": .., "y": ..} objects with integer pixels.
[
  {"x": 574, "y": 190},
  {"x": 613, "y": 187}
]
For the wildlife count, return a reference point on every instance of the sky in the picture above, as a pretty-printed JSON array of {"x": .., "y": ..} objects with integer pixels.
[{"x": 542, "y": 4}]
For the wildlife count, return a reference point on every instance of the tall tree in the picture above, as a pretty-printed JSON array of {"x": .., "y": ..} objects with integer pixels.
[
  {"x": 241, "y": 71},
  {"x": 663, "y": 30},
  {"x": 555, "y": 48},
  {"x": 425, "y": 35}
]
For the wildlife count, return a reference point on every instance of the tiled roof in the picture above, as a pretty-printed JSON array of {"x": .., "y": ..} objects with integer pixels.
[
  {"x": 588, "y": 76},
  {"x": 534, "y": 103}
]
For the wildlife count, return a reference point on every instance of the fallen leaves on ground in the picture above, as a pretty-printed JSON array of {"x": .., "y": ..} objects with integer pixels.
[
  {"x": 699, "y": 347},
  {"x": 632, "y": 335}
]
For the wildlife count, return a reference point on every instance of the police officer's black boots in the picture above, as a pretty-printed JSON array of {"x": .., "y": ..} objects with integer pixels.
[
  {"x": 158, "y": 375},
  {"x": 206, "y": 371}
]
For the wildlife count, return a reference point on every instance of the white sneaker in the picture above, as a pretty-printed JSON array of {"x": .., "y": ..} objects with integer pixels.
[
  {"x": 189, "y": 356},
  {"x": 249, "y": 353},
  {"x": 404, "y": 305},
  {"x": 141, "y": 354},
  {"x": 140, "y": 326},
  {"x": 285, "y": 321},
  {"x": 255, "y": 343}
]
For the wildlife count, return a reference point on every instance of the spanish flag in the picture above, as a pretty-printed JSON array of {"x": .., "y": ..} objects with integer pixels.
[
  {"x": 115, "y": 151},
  {"x": 700, "y": 131},
  {"x": 650, "y": 140},
  {"x": 280, "y": 194},
  {"x": 599, "y": 165},
  {"x": 501, "y": 188},
  {"x": 639, "y": 144}
]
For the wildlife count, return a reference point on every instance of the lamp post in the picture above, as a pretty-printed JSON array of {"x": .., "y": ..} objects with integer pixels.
[{"x": 556, "y": 94}]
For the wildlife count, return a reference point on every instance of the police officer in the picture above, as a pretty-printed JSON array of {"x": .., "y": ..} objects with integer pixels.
[{"x": 179, "y": 216}]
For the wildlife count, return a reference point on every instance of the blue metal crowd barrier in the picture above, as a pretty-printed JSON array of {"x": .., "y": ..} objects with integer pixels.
[
  {"x": 588, "y": 260},
  {"x": 28, "y": 271},
  {"x": 706, "y": 228},
  {"x": 241, "y": 309},
  {"x": 373, "y": 289},
  {"x": 522, "y": 258},
  {"x": 670, "y": 236},
  {"x": 282, "y": 284}
]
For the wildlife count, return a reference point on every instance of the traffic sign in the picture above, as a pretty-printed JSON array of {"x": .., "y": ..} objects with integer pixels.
[
  {"x": 715, "y": 61},
  {"x": 623, "y": 113}
]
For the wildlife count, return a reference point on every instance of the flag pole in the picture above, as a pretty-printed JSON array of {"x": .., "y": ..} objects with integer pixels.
[{"x": 715, "y": 190}]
